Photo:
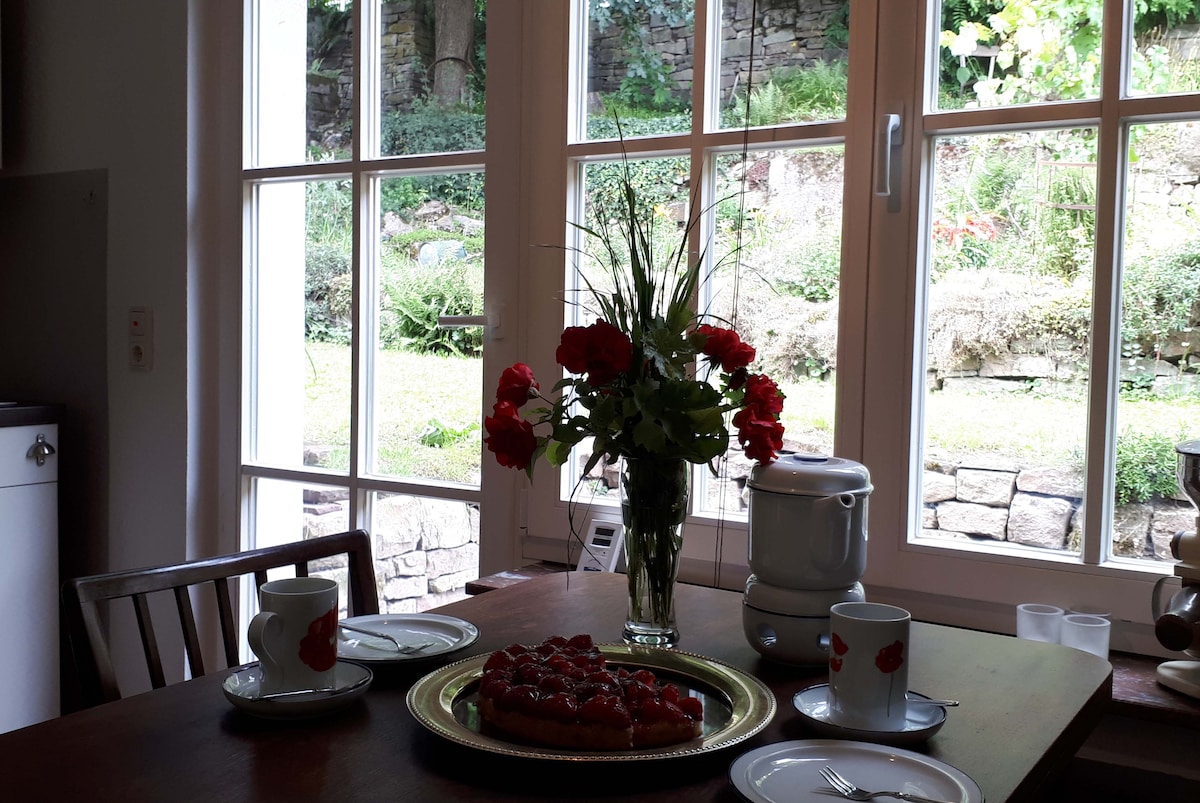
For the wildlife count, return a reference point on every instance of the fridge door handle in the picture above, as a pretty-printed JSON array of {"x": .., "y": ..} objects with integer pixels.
[{"x": 40, "y": 450}]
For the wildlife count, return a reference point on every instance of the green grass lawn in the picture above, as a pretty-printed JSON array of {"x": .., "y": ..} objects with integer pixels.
[{"x": 429, "y": 407}]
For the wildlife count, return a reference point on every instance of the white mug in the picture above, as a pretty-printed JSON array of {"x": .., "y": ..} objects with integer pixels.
[
  {"x": 868, "y": 666},
  {"x": 295, "y": 635}
]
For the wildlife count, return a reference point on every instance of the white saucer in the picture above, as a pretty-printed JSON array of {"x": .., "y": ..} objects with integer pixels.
[
  {"x": 444, "y": 634},
  {"x": 243, "y": 687},
  {"x": 789, "y": 772},
  {"x": 922, "y": 722}
]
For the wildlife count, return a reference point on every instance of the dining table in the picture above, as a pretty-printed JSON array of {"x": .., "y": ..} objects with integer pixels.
[{"x": 1025, "y": 708}]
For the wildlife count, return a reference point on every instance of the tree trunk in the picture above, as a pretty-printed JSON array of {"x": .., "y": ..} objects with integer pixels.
[{"x": 453, "y": 31}]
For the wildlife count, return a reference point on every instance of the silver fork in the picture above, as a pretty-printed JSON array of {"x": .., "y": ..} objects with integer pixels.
[
  {"x": 852, "y": 792},
  {"x": 403, "y": 649}
]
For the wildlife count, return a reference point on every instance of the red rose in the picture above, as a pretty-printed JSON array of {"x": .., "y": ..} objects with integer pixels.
[
  {"x": 763, "y": 395},
  {"x": 510, "y": 436},
  {"x": 516, "y": 384},
  {"x": 601, "y": 350},
  {"x": 839, "y": 646},
  {"x": 835, "y": 664},
  {"x": 318, "y": 648},
  {"x": 760, "y": 436},
  {"x": 890, "y": 658},
  {"x": 724, "y": 346}
]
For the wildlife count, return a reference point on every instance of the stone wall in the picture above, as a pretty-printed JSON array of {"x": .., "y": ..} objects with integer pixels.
[
  {"x": 407, "y": 47},
  {"x": 787, "y": 33},
  {"x": 1037, "y": 506},
  {"x": 426, "y": 550}
]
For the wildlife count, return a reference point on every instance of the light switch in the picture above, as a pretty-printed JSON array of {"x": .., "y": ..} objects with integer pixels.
[
  {"x": 141, "y": 321},
  {"x": 141, "y": 338}
]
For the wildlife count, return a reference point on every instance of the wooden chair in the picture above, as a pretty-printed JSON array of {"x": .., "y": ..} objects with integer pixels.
[{"x": 98, "y": 680}]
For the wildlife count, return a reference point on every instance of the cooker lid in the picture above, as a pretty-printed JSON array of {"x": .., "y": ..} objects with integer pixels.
[{"x": 811, "y": 475}]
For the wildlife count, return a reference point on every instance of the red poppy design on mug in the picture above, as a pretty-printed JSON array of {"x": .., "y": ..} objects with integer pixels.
[
  {"x": 839, "y": 649},
  {"x": 319, "y": 649},
  {"x": 890, "y": 658}
]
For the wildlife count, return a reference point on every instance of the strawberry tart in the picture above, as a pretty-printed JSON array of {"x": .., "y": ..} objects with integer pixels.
[{"x": 561, "y": 693}]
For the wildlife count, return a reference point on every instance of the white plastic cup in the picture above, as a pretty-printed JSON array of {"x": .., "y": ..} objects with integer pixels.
[
  {"x": 1086, "y": 632},
  {"x": 1037, "y": 622},
  {"x": 868, "y": 666},
  {"x": 295, "y": 635}
]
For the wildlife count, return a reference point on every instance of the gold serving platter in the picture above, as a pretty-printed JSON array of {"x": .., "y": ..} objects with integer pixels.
[{"x": 736, "y": 705}]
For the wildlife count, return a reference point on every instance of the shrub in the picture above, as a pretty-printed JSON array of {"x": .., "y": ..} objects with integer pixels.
[
  {"x": 415, "y": 295},
  {"x": 1157, "y": 295},
  {"x": 431, "y": 128},
  {"x": 327, "y": 284},
  {"x": 1145, "y": 466}
]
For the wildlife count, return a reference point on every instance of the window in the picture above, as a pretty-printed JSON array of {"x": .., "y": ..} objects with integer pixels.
[
  {"x": 365, "y": 300},
  {"x": 1004, "y": 337}
]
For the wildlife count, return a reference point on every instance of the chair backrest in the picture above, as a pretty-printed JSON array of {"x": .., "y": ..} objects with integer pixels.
[{"x": 81, "y": 595}]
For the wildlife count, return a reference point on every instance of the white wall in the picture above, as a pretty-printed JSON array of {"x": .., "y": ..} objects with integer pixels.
[{"x": 107, "y": 85}]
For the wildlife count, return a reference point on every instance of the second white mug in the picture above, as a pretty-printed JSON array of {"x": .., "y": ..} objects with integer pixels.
[{"x": 868, "y": 665}]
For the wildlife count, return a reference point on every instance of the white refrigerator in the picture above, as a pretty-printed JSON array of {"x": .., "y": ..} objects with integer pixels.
[{"x": 29, "y": 587}]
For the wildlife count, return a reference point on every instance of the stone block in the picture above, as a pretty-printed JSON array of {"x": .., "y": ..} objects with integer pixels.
[
  {"x": 938, "y": 487},
  {"x": 985, "y": 487},
  {"x": 1131, "y": 530},
  {"x": 979, "y": 384},
  {"x": 1039, "y": 520},
  {"x": 397, "y": 588},
  {"x": 446, "y": 583},
  {"x": 1168, "y": 518},
  {"x": 929, "y": 518},
  {"x": 452, "y": 561},
  {"x": 973, "y": 519},
  {"x": 1025, "y": 366},
  {"x": 1051, "y": 481}
]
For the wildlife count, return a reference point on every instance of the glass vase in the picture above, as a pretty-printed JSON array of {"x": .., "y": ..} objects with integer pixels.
[{"x": 654, "y": 504}]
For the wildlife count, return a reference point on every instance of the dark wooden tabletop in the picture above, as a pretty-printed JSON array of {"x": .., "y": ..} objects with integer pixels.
[{"x": 1026, "y": 708}]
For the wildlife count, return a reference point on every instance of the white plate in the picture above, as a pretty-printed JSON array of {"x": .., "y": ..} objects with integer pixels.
[
  {"x": 243, "y": 687},
  {"x": 789, "y": 772},
  {"x": 922, "y": 722},
  {"x": 448, "y": 633}
]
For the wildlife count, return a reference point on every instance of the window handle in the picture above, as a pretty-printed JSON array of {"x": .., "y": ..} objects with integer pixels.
[
  {"x": 888, "y": 139},
  {"x": 490, "y": 322}
]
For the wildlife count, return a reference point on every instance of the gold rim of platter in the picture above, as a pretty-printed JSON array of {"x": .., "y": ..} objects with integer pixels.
[{"x": 434, "y": 698}]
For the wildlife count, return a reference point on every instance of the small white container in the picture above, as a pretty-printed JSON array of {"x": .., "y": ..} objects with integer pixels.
[
  {"x": 1086, "y": 632},
  {"x": 1037, "y": 622}
]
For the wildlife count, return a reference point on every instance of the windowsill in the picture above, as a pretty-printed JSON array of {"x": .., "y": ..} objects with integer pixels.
[{"x": 1138, "y": 695}]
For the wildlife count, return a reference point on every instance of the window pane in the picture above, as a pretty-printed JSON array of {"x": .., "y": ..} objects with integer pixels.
[
  {"x": 1165, "y": 54},
  {"x": 292, "y": 511},
  {"x": 1008, "y": 317},
  {"x": 428, "y": 381},
  {"x": 639, "y": 68},
  {"x": 300, "y": 305},
  {"x": 799, "y": 64},
  {"x": 305, "y": 70},
  {"x": 432, "y": 76},
  {"x": 1159, "y": 394},
  {"x": 778, "y": 225},
  {"x": 425, "y": 549},
  {"x": 1018, "y": 52}
]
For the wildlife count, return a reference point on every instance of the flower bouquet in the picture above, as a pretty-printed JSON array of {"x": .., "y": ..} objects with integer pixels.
[{"x": 652, "y": 387}]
